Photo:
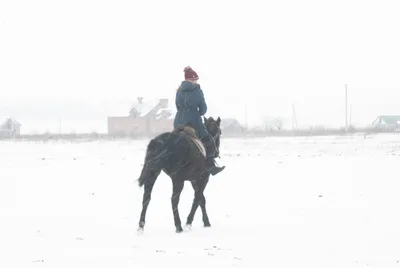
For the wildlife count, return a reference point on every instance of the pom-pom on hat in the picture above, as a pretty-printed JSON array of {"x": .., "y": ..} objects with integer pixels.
[{"x": 190, "y": 74}]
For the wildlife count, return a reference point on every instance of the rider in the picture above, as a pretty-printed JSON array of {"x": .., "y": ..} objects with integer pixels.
[{"x": 191, "y": 106}]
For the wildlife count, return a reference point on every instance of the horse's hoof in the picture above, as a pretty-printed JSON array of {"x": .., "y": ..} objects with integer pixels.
[
  {"x": 188, "y": 227},
  {"x": 179, "y": 230},
  {"x": 140, "y": 230},
  {"x": 207, "y": 225}
]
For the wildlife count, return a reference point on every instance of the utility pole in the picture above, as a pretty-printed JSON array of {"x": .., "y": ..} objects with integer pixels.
[
  {"x": 350, "y": 115},
  {"x": 346, "y": 119},
  {"x": 245, "y": 115},
  {"x": 294, "y": 119},
  {"x": 60, "y": 126}
]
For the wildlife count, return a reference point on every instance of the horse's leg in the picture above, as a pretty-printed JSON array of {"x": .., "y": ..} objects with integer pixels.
[
  {"x": 176, "y": 193},
  {"x": 206, "y": 221},
  {"x": 199, "y": 199},
  {"x": 195, "y": 204},
  {"x": 148, "y": 188},
  {"x": 202, "y": 202}
]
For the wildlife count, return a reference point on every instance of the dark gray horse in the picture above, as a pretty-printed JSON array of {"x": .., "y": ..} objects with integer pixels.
[{"x": 182, "y": 156}]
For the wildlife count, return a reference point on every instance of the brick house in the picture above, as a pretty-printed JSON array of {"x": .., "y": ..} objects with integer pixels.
[{"x": 144, "y": 119}]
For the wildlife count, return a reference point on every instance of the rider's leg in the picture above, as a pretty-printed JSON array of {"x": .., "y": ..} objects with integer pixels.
[{"x": 211, "y": 149}]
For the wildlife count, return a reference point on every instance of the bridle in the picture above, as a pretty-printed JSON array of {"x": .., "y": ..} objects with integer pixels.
[{"x": 216, "y": 136}]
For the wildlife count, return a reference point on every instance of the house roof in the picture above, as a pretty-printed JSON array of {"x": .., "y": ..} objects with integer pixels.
[
  {"x": 390, "y": 119},
  {"x": 145, "y": 107},
  {"x": 167, "y": 111},
  {"x": 229, "y": 122},
  {"x": 10, "y": 121},
  {"x": 142, "y": 107},
  {"x": 124, "y": 107}
]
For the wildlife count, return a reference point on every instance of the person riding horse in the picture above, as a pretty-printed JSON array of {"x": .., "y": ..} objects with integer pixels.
[{"x": 191, "y": 106}]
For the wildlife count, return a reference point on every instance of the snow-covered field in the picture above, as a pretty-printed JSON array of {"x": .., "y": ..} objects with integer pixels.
[{"x": 281, "y": 202}]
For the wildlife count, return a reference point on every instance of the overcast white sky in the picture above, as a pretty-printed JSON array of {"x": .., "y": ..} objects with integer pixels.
[{"x": 269, "y": 54}]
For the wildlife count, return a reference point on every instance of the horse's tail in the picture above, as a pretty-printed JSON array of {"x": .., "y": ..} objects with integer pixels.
[{"x": 153, "y": 163}]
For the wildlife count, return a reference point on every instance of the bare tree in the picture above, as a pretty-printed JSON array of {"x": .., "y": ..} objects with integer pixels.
[{"x": 273, "y": 123}]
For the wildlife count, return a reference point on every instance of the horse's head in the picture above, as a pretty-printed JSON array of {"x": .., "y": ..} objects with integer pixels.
[{"x": 213, "y": 127}]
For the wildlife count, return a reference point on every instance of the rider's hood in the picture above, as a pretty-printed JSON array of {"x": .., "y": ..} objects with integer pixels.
[{"x": 188, "y": 86}]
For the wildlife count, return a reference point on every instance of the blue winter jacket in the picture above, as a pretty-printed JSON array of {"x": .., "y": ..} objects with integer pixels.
[{"x": 191, "y": 106}]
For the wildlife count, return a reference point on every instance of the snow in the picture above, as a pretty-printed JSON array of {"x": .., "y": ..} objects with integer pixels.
[{"x": 281, "y": 202}]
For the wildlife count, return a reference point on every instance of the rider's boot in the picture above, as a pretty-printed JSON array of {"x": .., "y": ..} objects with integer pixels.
[{"x": 211, "y": 151}]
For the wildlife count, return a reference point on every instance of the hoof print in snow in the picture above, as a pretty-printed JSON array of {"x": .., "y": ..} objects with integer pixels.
[
  {"x": 79, "y": 238},
  {"x": 213, "y": 248},
  {"x": 39, "y": 234},
  {"x": 237, "y": 258},
  {"x": 320, "y": 195},
  {"x": 160, "y": 251},
  {"x": 43, "y": 158}
]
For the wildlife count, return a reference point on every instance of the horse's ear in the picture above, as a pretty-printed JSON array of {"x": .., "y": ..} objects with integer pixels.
[
  {"x": 205, "y": 119},
  {"x": 218, "y": 120}
]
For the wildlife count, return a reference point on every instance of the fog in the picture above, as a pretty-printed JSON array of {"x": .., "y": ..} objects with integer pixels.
[{"x": 74, "y": 63}]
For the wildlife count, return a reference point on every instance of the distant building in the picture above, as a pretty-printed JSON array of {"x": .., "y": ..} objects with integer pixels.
[
  {"x": 10, "y": 128},
  {"x": 389, "y": 122},
  {"x": 144, "y": 119},
  {"x": 231, "y": 126}
]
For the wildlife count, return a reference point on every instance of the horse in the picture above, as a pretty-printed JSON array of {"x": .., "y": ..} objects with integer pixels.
[{"x": 182, "y": 156}]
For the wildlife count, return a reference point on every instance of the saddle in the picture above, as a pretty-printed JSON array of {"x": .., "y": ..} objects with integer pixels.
[
  {"x": 190, "y": 133},
  {"x": 186, "y": 130}
]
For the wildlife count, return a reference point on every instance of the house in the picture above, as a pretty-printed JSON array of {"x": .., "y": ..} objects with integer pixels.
[
  {"x": 10, "y": 128},
  {"x": 389, "y": 122},
  {"x": 145, "y": 118},
  {"x": 231, "y": 126}
]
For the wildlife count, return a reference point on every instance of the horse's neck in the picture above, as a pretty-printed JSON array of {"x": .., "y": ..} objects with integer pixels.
[
  {"x": 190, "y": 135},
  {"x": 198, "y": 143}
]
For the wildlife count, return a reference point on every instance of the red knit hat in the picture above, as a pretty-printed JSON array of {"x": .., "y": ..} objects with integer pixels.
[{"x": 190, "y": 74}]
